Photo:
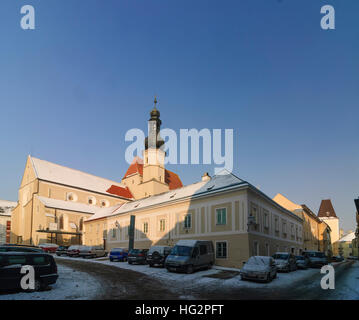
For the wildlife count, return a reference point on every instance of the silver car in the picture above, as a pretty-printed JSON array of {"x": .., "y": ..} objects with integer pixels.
[
  {"x": 316, "y": 258},
  {"x": 259, "y": 268},
  {"x": 302, "y": 262},
  {"x": 92, "y": 252},
  {"x": 285, "y": 261}
]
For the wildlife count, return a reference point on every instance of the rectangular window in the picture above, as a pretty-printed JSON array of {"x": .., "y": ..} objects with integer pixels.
[
  {"x": 162, "y": 225},
  {"x": 113, "y": 233},
  {"x": 276, "y": 223},
  {"x": 145, "y": 227},
  {"x": 221, "y": 215},
  {"x": 221, "y": 250},
  {"x": 284, "y": 227},
  {"x": 266, "y": 220},
  {"x": 188, "y": 221},
  {"x": 255, "y": 248}
]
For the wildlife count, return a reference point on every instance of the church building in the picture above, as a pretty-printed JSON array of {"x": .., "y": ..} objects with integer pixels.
[{"x": 67, "y": 206}]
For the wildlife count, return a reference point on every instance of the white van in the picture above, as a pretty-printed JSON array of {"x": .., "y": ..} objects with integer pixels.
[{"x": 190, "y": 255}]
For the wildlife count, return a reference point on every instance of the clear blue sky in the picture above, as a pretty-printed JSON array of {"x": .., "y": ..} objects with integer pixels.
[{"x": 70, "y": 89}]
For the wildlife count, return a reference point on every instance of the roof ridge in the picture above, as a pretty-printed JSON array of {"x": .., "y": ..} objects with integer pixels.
[{"x": 83, "y": 172}]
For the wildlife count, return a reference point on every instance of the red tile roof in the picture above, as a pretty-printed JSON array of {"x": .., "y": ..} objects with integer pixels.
[
  {"x": 171, "y": 178},
  {"x": 326, "y": 209},
  {"x": 135, "y": 167},
  {"x": 120, "y": 191}
]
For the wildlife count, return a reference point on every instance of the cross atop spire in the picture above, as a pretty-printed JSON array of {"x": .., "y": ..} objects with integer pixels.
[{"x": 155, "y": 102}]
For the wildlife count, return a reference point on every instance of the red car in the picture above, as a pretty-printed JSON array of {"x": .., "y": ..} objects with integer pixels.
[
  {"x": 74, "y": 251},
  {"x": 48, "y": 247}
]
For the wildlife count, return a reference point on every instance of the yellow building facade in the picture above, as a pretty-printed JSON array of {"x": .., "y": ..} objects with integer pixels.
[
  {"x": 55, "y": 200},
  {"x": 316, "y": 233}
]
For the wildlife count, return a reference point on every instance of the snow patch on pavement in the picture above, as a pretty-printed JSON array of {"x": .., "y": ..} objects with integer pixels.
[{"x": 71, "y": 285}]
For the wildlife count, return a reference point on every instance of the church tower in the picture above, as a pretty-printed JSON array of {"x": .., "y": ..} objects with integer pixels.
[
  {"x": 154, "y": 173},
  {"x": 327, "y": 214}
]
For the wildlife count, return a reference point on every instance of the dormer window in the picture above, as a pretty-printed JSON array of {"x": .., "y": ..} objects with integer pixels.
[
  {"x": 105, "y": 203},
  {"x": 71, "y": 196},
  {"x": 91, "y": 200}
]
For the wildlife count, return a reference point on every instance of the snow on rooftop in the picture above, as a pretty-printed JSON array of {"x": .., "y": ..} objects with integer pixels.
[
  {"x": 348, "y": 237},
  {"x": 68, "y": 205},
  {"x": 49, "y": 171},
  {"x": 218, "y": 182},
  {"x": 6, "y": 207}
]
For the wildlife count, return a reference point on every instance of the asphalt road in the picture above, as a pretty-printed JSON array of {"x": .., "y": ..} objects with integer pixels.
[
  {"x": 121, "y": 283},
  {"x": 127, "y": 284}
]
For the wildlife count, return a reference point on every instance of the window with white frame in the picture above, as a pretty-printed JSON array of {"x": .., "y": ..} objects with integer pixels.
[
  {"x": 162, "y": 225},
  {"x": 221, "y": 216},
  {"x": 187, "y": 224},
  {"x": 145, "y": 227},
  {"x": 267, "y": 249},
  {"x": 221, "y": 250},
  {"x": 253, "y": 214},
  {"x": 266, "y": 220},
  {"x": 284, "y": 227},
  {"x": 255, "y": 248}
]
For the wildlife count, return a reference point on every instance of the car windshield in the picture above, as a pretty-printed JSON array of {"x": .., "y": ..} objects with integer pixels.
[
  {"x": 181, "y": 251},
  {"x": 299, "y": 257},
  {"x": 135, "y": 251},
  {"x": 258, "y": 261},
  {"x": 315, "y": 254},
  {"x": 117, "y": 250},
  {"x": 158, "y": 249},
  {"x": 281, "y": 256}
]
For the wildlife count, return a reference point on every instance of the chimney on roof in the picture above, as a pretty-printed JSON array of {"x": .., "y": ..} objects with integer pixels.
[{"x": 206, "y": 177}]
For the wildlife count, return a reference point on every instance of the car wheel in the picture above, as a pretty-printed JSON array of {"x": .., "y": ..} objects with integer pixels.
[
  {"x": 169, "y": 270},
  {"x": 275, "y": 276},
  {"x": 38, "y": 285},
  {"x": 243, "y": 278},
  {"x": 151, "y": 265},
  {"x": 129, "y": 262},
  {"x": 189, "y": 269},
  {"x": 111, "y": 259}
]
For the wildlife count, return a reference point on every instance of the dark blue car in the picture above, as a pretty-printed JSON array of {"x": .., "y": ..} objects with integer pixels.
[{"x": 119, "y": 254}]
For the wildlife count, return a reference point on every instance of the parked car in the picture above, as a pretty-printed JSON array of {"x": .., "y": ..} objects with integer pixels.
[
  {"x": 190, "y": 255},
  {"x": 259, "y": 268},
  {"x": 92, "y": 252},
  {"x": 337, "y": 259},
  {"x": 285, "y": 261},
  {"x": 13, "y": 248},
  {"x": 74, "y": 251},
  {"x": 49, "y": 247},
  {"x": 10, "y": 266},
  {"x": 302, "y": 262},
  {"x": 316, "y": 258},
  {"x": 157, "y": 255},
  {"x": 61, "y": 250},
  {"x": 119, "y": 254},
  {"x": 137, "y": 256},
  {"x": 352, "y": 258}
]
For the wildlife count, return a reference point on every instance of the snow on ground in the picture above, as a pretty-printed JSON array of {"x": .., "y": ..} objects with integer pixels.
[
  {"x": 71, "y": 285},
  {"x": 200, "y": 278},
  {"x": 347, "y": 288}
]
